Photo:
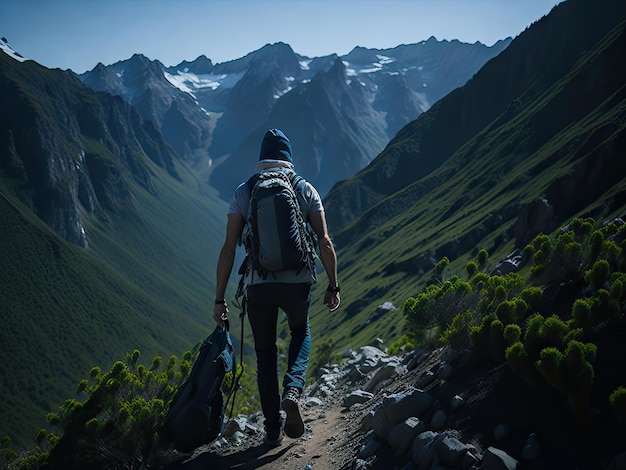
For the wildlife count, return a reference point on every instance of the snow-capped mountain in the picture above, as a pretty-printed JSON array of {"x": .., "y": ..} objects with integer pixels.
[{"x": 339, "y": 112}]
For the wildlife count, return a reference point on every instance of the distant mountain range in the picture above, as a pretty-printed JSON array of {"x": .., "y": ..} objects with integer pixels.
[{"x": 339, "y": 111}]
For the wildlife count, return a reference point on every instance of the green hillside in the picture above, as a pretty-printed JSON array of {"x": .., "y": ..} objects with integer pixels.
[
  {"x": 543, "y": 121},
  {"x": 144, "y": 282}
]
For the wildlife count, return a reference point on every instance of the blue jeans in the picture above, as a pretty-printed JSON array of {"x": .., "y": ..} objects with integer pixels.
[{"x": 264, "y": 300}]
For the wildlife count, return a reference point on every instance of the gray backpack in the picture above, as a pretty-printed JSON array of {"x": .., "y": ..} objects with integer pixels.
[{"x": 277, "y": 238}]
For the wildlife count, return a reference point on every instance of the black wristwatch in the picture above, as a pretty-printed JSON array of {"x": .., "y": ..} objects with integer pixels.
[
  {"x": 334, "y": 289},
  {"x": 220, "y": 302}
]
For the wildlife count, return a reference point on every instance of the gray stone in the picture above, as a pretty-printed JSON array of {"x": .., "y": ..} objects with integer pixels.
[
  {"x": 438, "y": 420},
  {"x": 402, "y": 435},
  {"x": 387, "y": 371},
  {"x": 423, "y": 451},
  {"x": 496, "y": 459},
  {"x": 398, "y": 407},
  {"x": 369, "y": 448},
  {"x": 451, "y": 450},
  {"x": 357, "y": 396},
  {"x": 456, "y": 402},
  {"x": 531, "y": 450},
  {"x": 501, "y": 432}
]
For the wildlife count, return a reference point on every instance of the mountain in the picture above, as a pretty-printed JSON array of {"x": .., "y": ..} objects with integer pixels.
[
  {"x": 534, "y": 139},
  {"x": 142, "y": 83},
  {"x": 331, "y": 106},
  {"x": 94, "y": 261}
]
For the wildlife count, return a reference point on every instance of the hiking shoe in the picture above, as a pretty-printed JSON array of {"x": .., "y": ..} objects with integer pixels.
[
  {"x": 294, "y": 426},
  {"x": 273, "y": 438}
]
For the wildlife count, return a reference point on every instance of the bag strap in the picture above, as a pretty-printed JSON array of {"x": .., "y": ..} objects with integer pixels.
[{"x": 237, "y": 375}]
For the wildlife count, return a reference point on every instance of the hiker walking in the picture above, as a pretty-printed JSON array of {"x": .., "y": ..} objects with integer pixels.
[{"x": 278, "y": 273}]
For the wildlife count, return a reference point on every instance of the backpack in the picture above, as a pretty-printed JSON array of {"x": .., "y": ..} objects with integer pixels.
[
  {"x": 277, "y": 238},
  {"x": 196, "y": 413}
]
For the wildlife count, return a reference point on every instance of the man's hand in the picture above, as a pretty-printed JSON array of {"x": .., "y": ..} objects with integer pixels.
[
  {"x": 332, "y": 300},
  {"x": 220, "y": 314}
]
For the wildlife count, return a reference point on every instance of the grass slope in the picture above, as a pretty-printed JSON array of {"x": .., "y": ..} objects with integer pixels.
[
  {"x": 563, "y": 141},
  {"x": 144, "y": 283}
]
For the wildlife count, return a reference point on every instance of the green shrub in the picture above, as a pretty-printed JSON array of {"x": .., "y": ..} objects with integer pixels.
[
  {"x": 438, "y": 305},
  {"x": 496, "y": 339},
  {"x": 597, "y": 276},
  {"x": 403, "y": 344},
  {"x": 520, "y": 363},
  {"x": 533, "y": 296},
  {"x": 471, "y": 268},
  {"x": 457, "y": 334},
  {"x": 570, "y": 373},
  {"x": 543, "y": 333},
  {"x": 481, "y": 257},
  {"x": 441, "y": 265},
  {"x": 480, "y": 334},
  {"x": 595, "y": 244},
  {"x": 617, "y": 290},
  {"x": 511, "y": 311},
  {"x": 617, "y": 399},
  {"x": 581, "y": 313},
  {"x": 512, "y": 334}
]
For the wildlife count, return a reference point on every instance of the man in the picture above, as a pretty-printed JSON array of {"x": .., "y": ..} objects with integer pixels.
[{"x": 287, "y": 290}]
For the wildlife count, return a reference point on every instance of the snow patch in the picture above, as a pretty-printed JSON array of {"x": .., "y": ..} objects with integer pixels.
[
  {"x": 8, "y": 50},
  {"x": 189, "y": 82}
]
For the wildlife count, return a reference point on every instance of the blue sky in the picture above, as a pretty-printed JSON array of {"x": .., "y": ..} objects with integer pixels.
[{"x": 77, "y": 34}]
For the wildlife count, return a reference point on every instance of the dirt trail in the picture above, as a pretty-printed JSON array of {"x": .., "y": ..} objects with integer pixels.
[
  {"x": 330, "y": 441},
  {"x": 332, "y": 438}
]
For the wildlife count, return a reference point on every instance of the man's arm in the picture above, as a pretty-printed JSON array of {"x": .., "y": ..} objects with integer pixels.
[
  {"x": 234, "y": 228},
  {"x": 327, "y": 256}
]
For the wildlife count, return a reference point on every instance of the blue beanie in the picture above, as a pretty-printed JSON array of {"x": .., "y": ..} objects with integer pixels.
[{"x": 275, "y": 146}]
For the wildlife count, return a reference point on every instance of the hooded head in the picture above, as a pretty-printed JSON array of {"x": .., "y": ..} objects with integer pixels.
[{"x": 275, "y": 148}]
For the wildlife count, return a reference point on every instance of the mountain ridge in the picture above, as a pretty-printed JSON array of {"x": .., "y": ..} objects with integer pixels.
[{"x": 241, "y": 98}]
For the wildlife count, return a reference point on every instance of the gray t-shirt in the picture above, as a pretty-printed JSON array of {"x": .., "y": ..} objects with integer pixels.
[{"x": 310, "y": 202}]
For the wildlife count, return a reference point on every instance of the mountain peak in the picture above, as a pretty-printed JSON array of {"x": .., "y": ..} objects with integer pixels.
[{"x": 8, "y": 50}]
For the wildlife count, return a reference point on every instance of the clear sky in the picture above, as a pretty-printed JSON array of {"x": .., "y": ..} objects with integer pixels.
[{"x": 77, "y": 34}]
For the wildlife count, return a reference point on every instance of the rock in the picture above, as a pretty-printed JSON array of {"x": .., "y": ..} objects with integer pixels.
[
  {"x": 426, "y": 379},
  {"x": 355, "y": 374},
  {"x": 512, "y": 263},
  {"x": 423, "y": 450},
  {"x": 496, "y": 459},
  {"x": 501, "y": 432},
  {"x": 369, "y": 358},
  {"x": 379, "y": 344},
  {"x": 470, "y": 461},
  {"x": 402, "y": 435},
  {"x": 357, "y": 396},
  {"x": 445, "y": 371},
  {"x": 361, "y": 465},
  {"x": 366, "y": 422},
  {"x": 451, "y": 450},
  {"x": 456, "y": 402},
  {"x": 398, "y": 407},
  {"x": 237, "y": 424},
  {"x": 534, "y": 218},
  {"x": 383, "y": 373},
  {"x": 438, "y": 420},
  {"x": 414, "y": 359},
  {"x": 312, "y": 402},
  {"x": 531, "y": 450},
  {"x": 370, "y": 447}
]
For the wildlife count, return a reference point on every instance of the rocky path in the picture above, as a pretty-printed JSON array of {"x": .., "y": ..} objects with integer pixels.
[{"x": 427, "y": 409}]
